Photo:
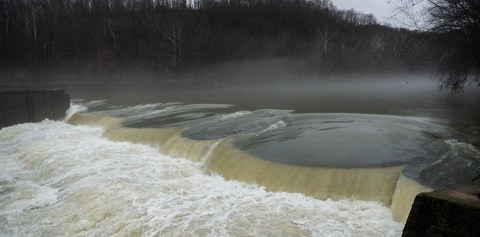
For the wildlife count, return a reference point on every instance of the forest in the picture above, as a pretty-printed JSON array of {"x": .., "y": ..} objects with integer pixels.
[{"x": 101, "y": 38}]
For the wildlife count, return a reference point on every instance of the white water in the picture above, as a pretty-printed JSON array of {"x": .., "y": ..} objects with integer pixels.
[
  {"x": 74, "y": 108},
  {"x": 234, "y": 115},
  {"x": 63, "y": 180},
  {"x": 278, "y": 124}
]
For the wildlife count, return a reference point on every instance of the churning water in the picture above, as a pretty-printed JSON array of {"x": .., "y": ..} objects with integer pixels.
[{"x": 59, "y": 179}]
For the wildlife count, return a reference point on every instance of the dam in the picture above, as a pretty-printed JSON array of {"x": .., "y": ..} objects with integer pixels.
[{"x": 325, "y": 156}]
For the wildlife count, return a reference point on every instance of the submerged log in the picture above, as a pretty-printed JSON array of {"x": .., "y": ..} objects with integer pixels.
[
  {"x": 32, "y": 106},
  {"x": 453, "y": 212}
]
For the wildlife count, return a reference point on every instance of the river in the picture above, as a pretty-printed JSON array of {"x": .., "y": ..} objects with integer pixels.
[{"x": 306, "y": 159}]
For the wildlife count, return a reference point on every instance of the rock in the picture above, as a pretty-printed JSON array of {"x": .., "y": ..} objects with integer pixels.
[{"x": 453, "y": 212}]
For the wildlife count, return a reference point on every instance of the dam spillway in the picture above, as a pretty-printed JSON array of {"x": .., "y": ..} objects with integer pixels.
[
  {"x": 176, "y": 169},
  {"x": 326, "y": 156}
]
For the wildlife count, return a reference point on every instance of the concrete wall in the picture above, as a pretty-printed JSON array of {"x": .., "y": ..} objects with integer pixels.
[{"x": 32, "y": 106}]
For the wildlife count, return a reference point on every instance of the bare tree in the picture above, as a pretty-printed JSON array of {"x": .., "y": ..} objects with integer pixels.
[
  {"x": 324, "y": 42},
  {"x": 173, "y": 34},
  {"x": 378, "y": 45},
  {"x": 185, "y": 35},
  {"x": 460, "y": 19}
]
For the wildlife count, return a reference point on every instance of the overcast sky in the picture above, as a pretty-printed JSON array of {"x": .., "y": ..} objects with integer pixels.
[{"x": 381, "y": 9}]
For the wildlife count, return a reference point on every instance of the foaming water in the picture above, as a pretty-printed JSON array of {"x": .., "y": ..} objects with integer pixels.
[
  {"x": 57, "y": 179},
  {"x": 234, "y": 115},
  {"x": 74, "y": 108},
  {"x": 277, "y": 125}
]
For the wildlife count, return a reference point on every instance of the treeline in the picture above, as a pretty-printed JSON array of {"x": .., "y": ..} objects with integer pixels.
[{"x": 181, "y": 35}]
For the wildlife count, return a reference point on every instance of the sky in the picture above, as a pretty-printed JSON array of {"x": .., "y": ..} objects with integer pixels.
[
  {"x": 379, "y": 8},
  {"x": 383, "y": 10}
]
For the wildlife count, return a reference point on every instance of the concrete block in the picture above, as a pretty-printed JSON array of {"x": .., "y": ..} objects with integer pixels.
[
  {"x": 32, "y": 106},
  {"x": 13, "y": 110}
]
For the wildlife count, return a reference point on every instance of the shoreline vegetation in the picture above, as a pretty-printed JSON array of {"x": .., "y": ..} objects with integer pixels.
[{"x": 208, "y": 41}]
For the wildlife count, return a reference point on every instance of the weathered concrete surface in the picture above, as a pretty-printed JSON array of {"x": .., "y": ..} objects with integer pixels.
[
  {"x": 454, "y": 212},
  {"x": 32, "y": 106}
]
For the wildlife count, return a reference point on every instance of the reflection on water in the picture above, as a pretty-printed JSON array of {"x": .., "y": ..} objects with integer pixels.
[{"x": 344, "y": 140}]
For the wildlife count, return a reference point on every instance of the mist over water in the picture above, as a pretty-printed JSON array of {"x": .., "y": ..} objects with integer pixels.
[{"x": 398, "y": 94}]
